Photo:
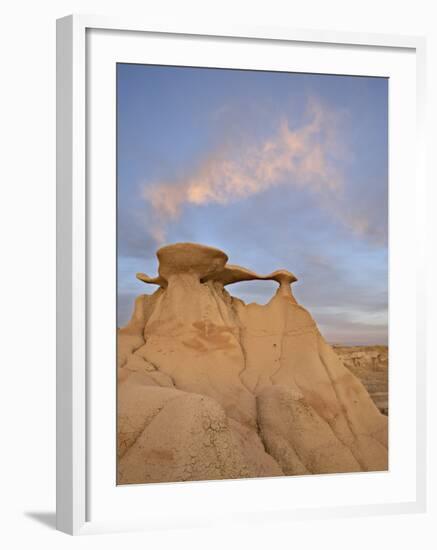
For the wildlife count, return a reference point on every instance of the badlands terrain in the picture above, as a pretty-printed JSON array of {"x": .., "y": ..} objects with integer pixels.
[
  {"x": 212, "y": 388},
  {"x": 370, "y": 365}
]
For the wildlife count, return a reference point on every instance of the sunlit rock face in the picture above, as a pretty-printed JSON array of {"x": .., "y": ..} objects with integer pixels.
[
  {"x": 370, "y": 365},
  {"x": 212, "y": 388}
]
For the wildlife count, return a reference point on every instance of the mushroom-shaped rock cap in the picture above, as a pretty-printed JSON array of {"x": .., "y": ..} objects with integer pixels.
[
  {"x": 152, "y": 280},
  {"x": 282, "y": 276},
  {"x": 193, "y": 258},
  {"x": 232, "y": 274}
]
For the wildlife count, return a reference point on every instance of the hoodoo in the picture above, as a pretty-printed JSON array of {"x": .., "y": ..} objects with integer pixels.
[
  {"x": 196, "y": 259},
  {"x": 285, "y": 279},
  {"x": 212, "y": 388}
]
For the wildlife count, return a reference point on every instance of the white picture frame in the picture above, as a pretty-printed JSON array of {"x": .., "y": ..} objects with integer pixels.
[{"x": 75, "y": 280}]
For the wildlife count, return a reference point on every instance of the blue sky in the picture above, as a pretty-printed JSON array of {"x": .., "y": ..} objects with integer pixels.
[{"x": 279, "y": 170}]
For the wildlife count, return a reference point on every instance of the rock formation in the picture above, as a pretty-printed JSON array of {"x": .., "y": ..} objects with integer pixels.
[
  {"x": 212, "y": 388},
  {"x": 370, "y": 365}
]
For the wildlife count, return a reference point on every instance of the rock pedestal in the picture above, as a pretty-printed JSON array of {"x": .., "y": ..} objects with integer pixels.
[{"x": 212, "y": 388}]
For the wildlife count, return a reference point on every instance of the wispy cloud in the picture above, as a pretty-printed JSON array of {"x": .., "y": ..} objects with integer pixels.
[{"x": 303, "y": 156}]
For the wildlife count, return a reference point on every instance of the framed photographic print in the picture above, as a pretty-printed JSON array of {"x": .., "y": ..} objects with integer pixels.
[{"x": 240, "y": 275}]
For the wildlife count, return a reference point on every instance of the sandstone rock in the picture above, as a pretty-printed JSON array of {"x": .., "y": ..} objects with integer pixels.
[
  {"x": 212, "y": 388},
  {"x": 370, "y": 365}
]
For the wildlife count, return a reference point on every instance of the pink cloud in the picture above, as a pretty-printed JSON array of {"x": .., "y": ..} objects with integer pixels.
[{"x": 299, "y": 157}]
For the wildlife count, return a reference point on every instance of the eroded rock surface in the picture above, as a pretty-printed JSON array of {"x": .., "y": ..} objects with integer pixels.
[
  {"x": 370, "y": 365},
  {"x": 212, "y": 388}
]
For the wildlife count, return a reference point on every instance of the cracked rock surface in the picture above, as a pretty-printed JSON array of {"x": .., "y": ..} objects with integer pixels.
[{"x": 212, "y": 388}]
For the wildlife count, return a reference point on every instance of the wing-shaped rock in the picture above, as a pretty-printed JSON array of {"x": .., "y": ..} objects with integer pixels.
[{"x": 212, "y": 388}]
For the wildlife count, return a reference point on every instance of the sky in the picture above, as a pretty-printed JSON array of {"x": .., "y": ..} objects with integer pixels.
[{"x": 278, "y": 170}]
